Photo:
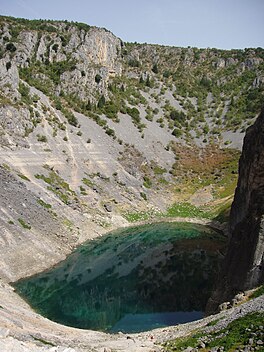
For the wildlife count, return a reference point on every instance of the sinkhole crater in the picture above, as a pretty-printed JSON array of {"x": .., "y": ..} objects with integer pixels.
[{"x": 131, "y": 280}]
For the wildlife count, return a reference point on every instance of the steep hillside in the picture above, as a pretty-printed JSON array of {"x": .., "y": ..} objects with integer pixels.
[{"x": 96, "y": 133}]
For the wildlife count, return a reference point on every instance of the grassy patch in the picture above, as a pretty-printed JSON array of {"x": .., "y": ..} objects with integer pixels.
[
  {"x": 45, "y": 342},
  {"x": 214, "y": 166},
  {"x": 214, "y": 322},
  {"x": 234, "y": 336},
  {"x": 68, "y": 223},
  {"x": 24, "y": 224},
  {"x": 23, "y": 177},
  {"x": 258, "y": 292},
  {"x": 222, "y": 212},
  {"x": 137, "y": 216},
  {"x": 236, "y": 333},
  {"x": 83, "y": 191},
  {"x": 6, "y": 167},
  {"x": 58, "y": 186},
  {"x": 147, "y": 182},
  {"x": 186, "y": 210},
  {"x": 44, "y": 204},
  {"x": 88, "y": 182}
]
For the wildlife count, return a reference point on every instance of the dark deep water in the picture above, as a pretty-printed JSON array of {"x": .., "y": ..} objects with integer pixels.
[{"x": 131, "y": 280}]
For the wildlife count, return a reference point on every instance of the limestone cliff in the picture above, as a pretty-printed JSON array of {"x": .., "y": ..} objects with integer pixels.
[{"x": 244, "y": 263}]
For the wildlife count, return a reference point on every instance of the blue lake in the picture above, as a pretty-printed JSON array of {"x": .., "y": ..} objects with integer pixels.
[
  {"x": 131, "y": 280},
  {"x": 143, "y": 322}
]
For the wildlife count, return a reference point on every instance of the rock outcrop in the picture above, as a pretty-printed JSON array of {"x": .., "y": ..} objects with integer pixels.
[{"x": 243, "y": 266}]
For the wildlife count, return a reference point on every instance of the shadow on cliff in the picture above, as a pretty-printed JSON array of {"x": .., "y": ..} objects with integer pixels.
[{"x": 243, "y": 266}]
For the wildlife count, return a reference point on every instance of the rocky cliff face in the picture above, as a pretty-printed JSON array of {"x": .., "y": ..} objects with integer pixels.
[{"x": 244, "y": 263}]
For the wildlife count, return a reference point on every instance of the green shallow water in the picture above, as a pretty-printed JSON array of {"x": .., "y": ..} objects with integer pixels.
[{"x": 131, "y": 280}]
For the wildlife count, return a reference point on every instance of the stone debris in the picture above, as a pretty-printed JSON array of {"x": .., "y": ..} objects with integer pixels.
[{"x": 4, "y": 333}]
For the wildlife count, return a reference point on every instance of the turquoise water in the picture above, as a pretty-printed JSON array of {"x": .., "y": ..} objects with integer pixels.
[
  {"x": 131, "y": 280},
  {"x": 144, "y": 322}
]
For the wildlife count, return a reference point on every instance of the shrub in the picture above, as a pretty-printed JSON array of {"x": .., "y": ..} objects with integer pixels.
[
  {"x": 134, "y": 113},
  {"x": 70, "y": 117},
  {"x": 42, "y": 138},
  {"x": 11, "y": 47},
  {"x": 155, "y": 68},
  {"x": 177, "y": 115},
  {"x": 101, "y": 102},
  {"x": 98, "y": 78},
  {"x": 8, "y": 65},
  {"x": 147, "y": 182},
  {"x": 24, "y": 224},
  {"x": 110, "y": 132},
  {"x": 177, "y": 132},
  {"x": 55, "y": 47},
  {"x": 133, "y": 63},
  {"x": 44, "y": 204},
  {"x": 24, "y": 91},
  {"x": 143, "y": 195}
]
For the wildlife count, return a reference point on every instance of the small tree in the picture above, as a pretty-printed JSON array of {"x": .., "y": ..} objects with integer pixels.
[
  {"x": 148, "y": 82},
  {"x": 11, "y": 47},
  {"x": 101, "y": 102},
  {"x": 155, "y": 68},
  {"x": 55, "y": 47},
  {"x": 8, "y": 65},
  {"x": 89, "y": 105},
  {"x": 177, "y": 132},
  {"x": 97, "y": 78}
]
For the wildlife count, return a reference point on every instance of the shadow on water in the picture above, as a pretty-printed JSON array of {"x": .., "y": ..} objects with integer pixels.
[{"x": 131, "y": 280}]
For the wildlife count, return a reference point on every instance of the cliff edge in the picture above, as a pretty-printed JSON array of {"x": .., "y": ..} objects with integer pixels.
[{"x": 243, "y": 266}]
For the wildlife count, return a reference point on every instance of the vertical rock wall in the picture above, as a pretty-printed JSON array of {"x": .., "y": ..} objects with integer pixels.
[{"x": 243, "y": 267}]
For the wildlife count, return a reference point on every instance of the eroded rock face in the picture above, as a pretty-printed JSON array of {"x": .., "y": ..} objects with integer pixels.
[{"x": 244, "y": 263}]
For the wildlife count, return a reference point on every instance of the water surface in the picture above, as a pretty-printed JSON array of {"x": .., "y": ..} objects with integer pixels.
[{"x": 131, "y": 280}]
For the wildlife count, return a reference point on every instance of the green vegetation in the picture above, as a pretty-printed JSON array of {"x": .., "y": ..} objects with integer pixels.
[
  {"x": 24, "y": 224},
  {"x": 24, "y": 177},
  {"x": 147, "y": 182},
  {"x": 45, "y": 342},
  {"x": 258, "y": 292},
  {"x": 235, "y": 336},
  {"x": 143, "y": 195},
  {"x": 24, "y": 91},
  {"x": 213, "y": 322},
  {"x": 231, "y": 77},
  {"x": 83, "y": 191},
  {"x": 137, "y": 216},
  {"x": 11, "y": 47},
  {"x": 190, "y": 92},
  {"x": 88, "y": 182},
  {"x": 44, "y": 204},
  {"x": 58, "y": 186},
  {"x": 187, "y": 210},
  {"x": 98, "y": 78},
  {"x": 41, "y": 138}
]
